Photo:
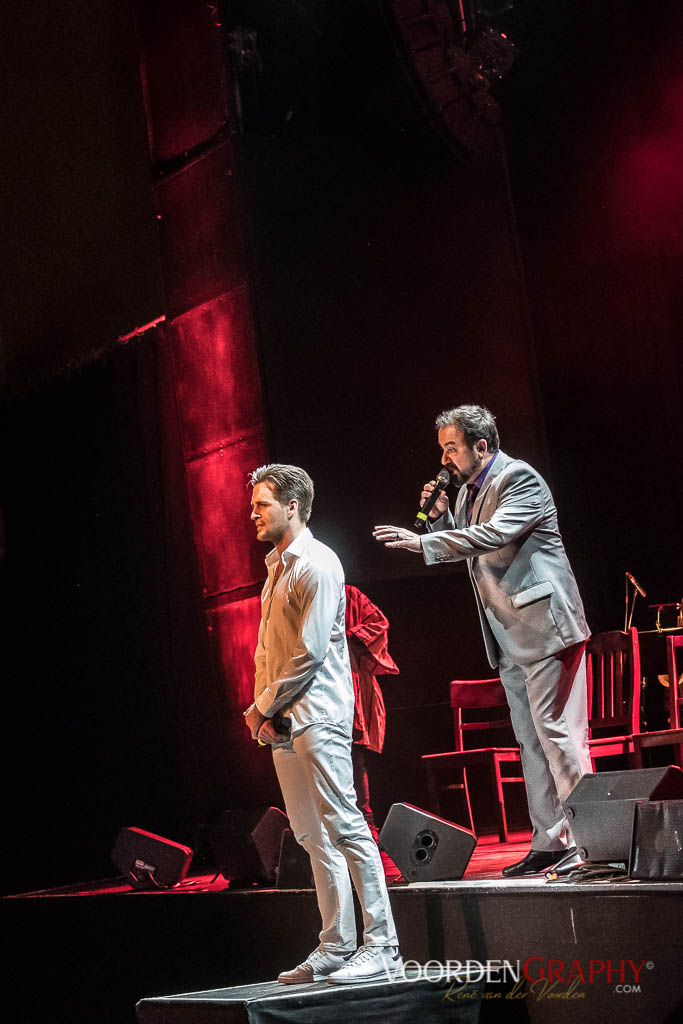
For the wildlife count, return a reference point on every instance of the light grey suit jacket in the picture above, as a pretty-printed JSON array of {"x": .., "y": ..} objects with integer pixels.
[{"x": 528, "y": 601}]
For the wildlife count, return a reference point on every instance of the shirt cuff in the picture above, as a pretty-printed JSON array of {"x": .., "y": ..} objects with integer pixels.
[
  {"x": 264, "y": 703},
  {"x": 431, "y": 523},
  {"x": 430, "y": 551}
]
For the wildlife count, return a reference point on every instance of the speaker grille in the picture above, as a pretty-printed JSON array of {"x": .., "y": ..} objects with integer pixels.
[{"x": 424, "y": 847}]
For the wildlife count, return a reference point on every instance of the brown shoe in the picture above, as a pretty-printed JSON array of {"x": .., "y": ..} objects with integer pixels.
[{"x": 317, "y": 966}]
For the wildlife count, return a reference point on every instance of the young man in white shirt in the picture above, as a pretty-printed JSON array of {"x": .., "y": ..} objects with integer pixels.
[{"x": 303, "y": 672}]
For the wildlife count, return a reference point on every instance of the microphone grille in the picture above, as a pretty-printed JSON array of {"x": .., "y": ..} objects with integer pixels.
[{"x": 445, "y": 476}]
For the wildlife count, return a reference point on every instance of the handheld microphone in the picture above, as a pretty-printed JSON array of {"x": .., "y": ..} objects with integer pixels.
[
  {"x": 442, "y": 481},
  {"x": 636, "y": 584}
]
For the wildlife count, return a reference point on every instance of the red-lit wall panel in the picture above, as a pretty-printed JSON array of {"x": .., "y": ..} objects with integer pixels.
[
  {"x": 235, "y": 629},
  {"x": 216, "y": 371},
  {"x": 201, "y": 213},
  {"x": 219, "y": 500},
  {"x": 210, "y": 336},
  {"x": 185, "y": 80}
]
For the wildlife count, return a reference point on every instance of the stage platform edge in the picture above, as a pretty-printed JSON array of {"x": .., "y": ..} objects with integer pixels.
[{"x": 402, "y": 1001}]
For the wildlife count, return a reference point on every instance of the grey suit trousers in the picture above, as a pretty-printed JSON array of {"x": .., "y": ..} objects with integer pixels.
[{"x": 548, "y": 710}]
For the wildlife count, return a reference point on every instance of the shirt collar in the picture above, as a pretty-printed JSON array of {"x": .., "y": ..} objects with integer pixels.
[
  {"x": 295, "y": 549},
  {"x": 478, "y": 483}
]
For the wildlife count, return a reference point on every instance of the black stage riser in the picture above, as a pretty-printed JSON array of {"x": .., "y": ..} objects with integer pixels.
[{"x": 404, "y": 1002}]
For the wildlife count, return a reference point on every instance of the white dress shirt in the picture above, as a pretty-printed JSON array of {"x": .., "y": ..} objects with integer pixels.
[{"x": 302, "y": 658}]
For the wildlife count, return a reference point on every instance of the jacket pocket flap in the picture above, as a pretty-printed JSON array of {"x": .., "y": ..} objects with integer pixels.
[{"x": 531, "y": 594}]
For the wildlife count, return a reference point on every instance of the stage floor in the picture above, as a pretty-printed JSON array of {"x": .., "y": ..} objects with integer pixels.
[
  {"x": 487, "y": 861},
  {"x": 483, "y": 874}
]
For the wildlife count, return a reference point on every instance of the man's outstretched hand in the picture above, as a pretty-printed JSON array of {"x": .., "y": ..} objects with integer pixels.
[{"x": 397, "y": 537}]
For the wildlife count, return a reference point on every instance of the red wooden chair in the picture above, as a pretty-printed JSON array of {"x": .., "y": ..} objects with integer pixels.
[
  {"x": 675, "y": 682},
  {"x": 479, "y": 707},
  {"x": 613, "y": 679},
  {"x": 673, "y": 736}
]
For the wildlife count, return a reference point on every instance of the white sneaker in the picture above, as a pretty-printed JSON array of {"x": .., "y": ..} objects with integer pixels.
[
  {"x": 369, "y": 963},
  {"x": 316, "y": 967}
]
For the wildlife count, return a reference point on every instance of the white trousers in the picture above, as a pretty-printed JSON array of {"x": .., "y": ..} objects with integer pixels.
[
  {"x": 315, "y": 773},
  {"x": 549, "y": 716}
]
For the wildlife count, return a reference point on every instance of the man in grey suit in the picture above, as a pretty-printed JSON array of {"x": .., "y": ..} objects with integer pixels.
[{"x": 505, "y": 527}]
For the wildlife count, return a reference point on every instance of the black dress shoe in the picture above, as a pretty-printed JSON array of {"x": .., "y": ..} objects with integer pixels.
[{"x": 534, "y": 862}]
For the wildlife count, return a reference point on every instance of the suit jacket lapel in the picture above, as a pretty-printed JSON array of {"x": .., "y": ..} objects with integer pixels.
[
  {"x": 498, "y": 466},
  {"x": 461, "y": 508}
]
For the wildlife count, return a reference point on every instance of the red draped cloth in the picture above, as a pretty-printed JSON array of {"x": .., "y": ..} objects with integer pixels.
[{"x": 367, "y": 628}]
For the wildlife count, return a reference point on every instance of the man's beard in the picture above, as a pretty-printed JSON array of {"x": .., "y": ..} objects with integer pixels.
[
  {"x": 462, "y": 477},
  {"x": 457, "y": 477}
]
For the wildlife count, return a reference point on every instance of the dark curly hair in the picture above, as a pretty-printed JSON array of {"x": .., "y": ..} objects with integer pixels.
[{"x": 476, "y": 422}]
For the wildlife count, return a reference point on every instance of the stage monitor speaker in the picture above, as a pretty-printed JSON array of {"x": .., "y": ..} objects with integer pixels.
[
  {"x": 246, "y": 844},
  {"x": 294, "y": 867},
  {"x": 657, "y": 845},
  {"x": 600, "y": 808},
  {"x": 149, "y": 861},
  {"x": 425, "y": 848}
]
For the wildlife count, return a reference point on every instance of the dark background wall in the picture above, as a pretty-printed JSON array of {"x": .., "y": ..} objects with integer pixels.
[
  {"x": 80, "y": 252},
  {"x": 600, "y": 211},
  {"x": 391, "y": 278}
]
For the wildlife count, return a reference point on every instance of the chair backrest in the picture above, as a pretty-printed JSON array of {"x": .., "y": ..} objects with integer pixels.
[
  {"x": 675, "y": 688},
  {"x": 613, "y": 679},
  {"x": 478, "y": 706}
]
